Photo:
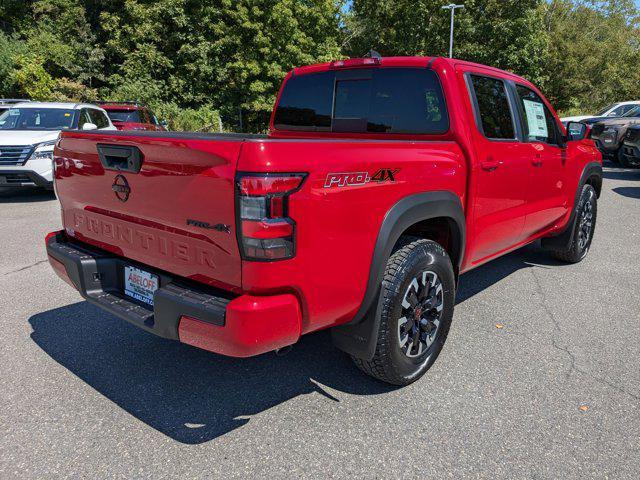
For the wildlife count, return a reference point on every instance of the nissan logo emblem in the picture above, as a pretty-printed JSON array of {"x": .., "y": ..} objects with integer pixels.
[{"x": 121, "y": 188}]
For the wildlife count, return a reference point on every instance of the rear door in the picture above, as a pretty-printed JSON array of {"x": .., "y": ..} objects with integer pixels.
[
  {"x": 546, "y": 197},
  {"x": 501, "y": 171}
]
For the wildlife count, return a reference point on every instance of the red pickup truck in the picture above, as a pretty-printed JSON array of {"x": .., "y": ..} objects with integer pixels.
[
  {"x": 379, "y": 183},
  {"x": 132, "y": 116}
]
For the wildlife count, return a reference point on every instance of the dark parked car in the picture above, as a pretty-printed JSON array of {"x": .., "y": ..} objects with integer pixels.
[
  {"x": 630, "y": 156},
  {"x": 609, "y": 133}
]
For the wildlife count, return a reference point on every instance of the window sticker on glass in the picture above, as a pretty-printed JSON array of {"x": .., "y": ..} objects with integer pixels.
[{"x": 535, "y": 118}]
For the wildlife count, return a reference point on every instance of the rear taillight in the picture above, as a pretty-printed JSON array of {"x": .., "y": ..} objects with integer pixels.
[{"x": 265, "y": 230}]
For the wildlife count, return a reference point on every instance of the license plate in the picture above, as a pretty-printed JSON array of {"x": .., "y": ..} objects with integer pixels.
[{"x": 140, "y": 285}]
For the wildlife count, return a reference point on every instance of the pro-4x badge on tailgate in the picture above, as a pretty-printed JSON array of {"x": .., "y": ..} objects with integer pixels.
[{"x": 351, "y": 179}]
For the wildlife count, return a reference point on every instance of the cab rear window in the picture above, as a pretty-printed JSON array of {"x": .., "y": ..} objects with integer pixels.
[
  {"x": 368, "y": 100},
  {"x": 124, "y": 116}
]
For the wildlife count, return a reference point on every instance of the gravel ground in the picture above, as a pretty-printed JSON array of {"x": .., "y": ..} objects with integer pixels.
[{"x": 554, "y": 393}]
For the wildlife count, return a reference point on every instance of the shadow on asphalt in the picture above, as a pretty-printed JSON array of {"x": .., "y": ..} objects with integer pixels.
[
  {"x": 188, "y": 394},
  {"x": 25, "y": 195},
  {"x": 194, "y": 396},
  {"x": 481, "y": 278},
  {"x": 631, "y": 192},
  {"x": 613, "y": 173}
]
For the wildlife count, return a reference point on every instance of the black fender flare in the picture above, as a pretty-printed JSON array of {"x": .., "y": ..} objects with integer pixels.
[
  {"x": 563, "y": 239},
  {"x": 359, "y": 336}
]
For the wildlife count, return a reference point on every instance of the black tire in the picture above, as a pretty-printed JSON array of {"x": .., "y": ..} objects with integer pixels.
[
  {"x": 427, "y": 262},
  {"x": 613, "y": 157},
  {"x": 586, "y": 213}
]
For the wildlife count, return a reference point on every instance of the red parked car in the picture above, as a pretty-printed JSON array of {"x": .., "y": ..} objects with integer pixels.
[
  {"x": 379, "y": 183},
  {"x": 132, "y": 116}
]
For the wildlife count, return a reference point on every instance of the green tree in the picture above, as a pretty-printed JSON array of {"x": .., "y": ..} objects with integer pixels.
[
  {"x": 595, "y": 64},
  {"x": 508, "y": 34},
  {"x": 31, "y": 79},
  {"x": 10, "y": 49},
  {"x": 228, "y": 57},
  {"x": 229, "y": 53},
  {"x": 65, "y": 61},
  {"x": 61, "y": 35}
]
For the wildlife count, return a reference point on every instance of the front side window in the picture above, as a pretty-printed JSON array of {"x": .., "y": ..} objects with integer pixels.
[
  {"x": 538, "y": 123},
  {"x": 99, "y": 119},
  {"x": 600, "y": 113},
  {"x": 84, "y": 118},
  {"x": 146, "y": 116},
  {"x": 36, "y": 119},
  {"x": 370, "y": 100},
  {"x": 493, "y": 108}
]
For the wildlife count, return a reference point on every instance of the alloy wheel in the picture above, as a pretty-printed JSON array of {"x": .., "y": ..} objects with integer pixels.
[
  {"x": 585, "y": 228},
  {"x": 422, "y": 307}
]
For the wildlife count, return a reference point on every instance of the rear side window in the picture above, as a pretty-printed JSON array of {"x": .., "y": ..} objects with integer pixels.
[
  {"x": 493, "y": 107},
  {"x": 306, "y": 103},
  {"x": 379, "y": 100},
  {"x": 622, "y": 110}
]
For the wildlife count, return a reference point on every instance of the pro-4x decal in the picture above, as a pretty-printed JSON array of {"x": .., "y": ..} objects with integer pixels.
[{"x": 351, "y": 179}]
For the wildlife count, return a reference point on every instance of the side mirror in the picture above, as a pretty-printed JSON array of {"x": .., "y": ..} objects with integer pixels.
[
  {"x": 164, "y": 123},
  {"x": 577, "y": 131},
  {"x": 89, "y": 126}
]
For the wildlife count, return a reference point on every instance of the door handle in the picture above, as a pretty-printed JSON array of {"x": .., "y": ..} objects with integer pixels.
[
  {"x": 120, "y": 157},
  {"x": 490, "y": 165},
  {"x": 537, "y": 161}
]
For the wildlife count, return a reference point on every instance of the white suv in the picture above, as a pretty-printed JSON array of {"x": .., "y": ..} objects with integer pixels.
[
  {"x": 28, "y": 132},
  {"x": 615, "y": 110}
]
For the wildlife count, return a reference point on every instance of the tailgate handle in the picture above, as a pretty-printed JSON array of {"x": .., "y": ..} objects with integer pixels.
[{"x": 123, "y": 158}]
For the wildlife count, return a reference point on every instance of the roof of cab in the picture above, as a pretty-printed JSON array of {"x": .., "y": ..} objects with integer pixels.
[
  {"x": 121, "y": 106},
  {"x": 415, "y": 61}
]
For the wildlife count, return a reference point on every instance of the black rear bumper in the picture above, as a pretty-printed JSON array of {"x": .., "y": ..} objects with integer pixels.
[{"x": 99, "y": 277}]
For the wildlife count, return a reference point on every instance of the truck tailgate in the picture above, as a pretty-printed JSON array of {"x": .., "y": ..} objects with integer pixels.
[{"x": 176, "y": 213}]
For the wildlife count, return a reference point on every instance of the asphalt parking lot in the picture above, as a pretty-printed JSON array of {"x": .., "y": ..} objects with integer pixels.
[{"x": 540, "y": 378}]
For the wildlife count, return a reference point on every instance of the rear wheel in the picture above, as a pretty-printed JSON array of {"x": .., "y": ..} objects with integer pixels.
[
  {"x": 585, "y": 224},
  {"x": 418, "y": 299}
]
